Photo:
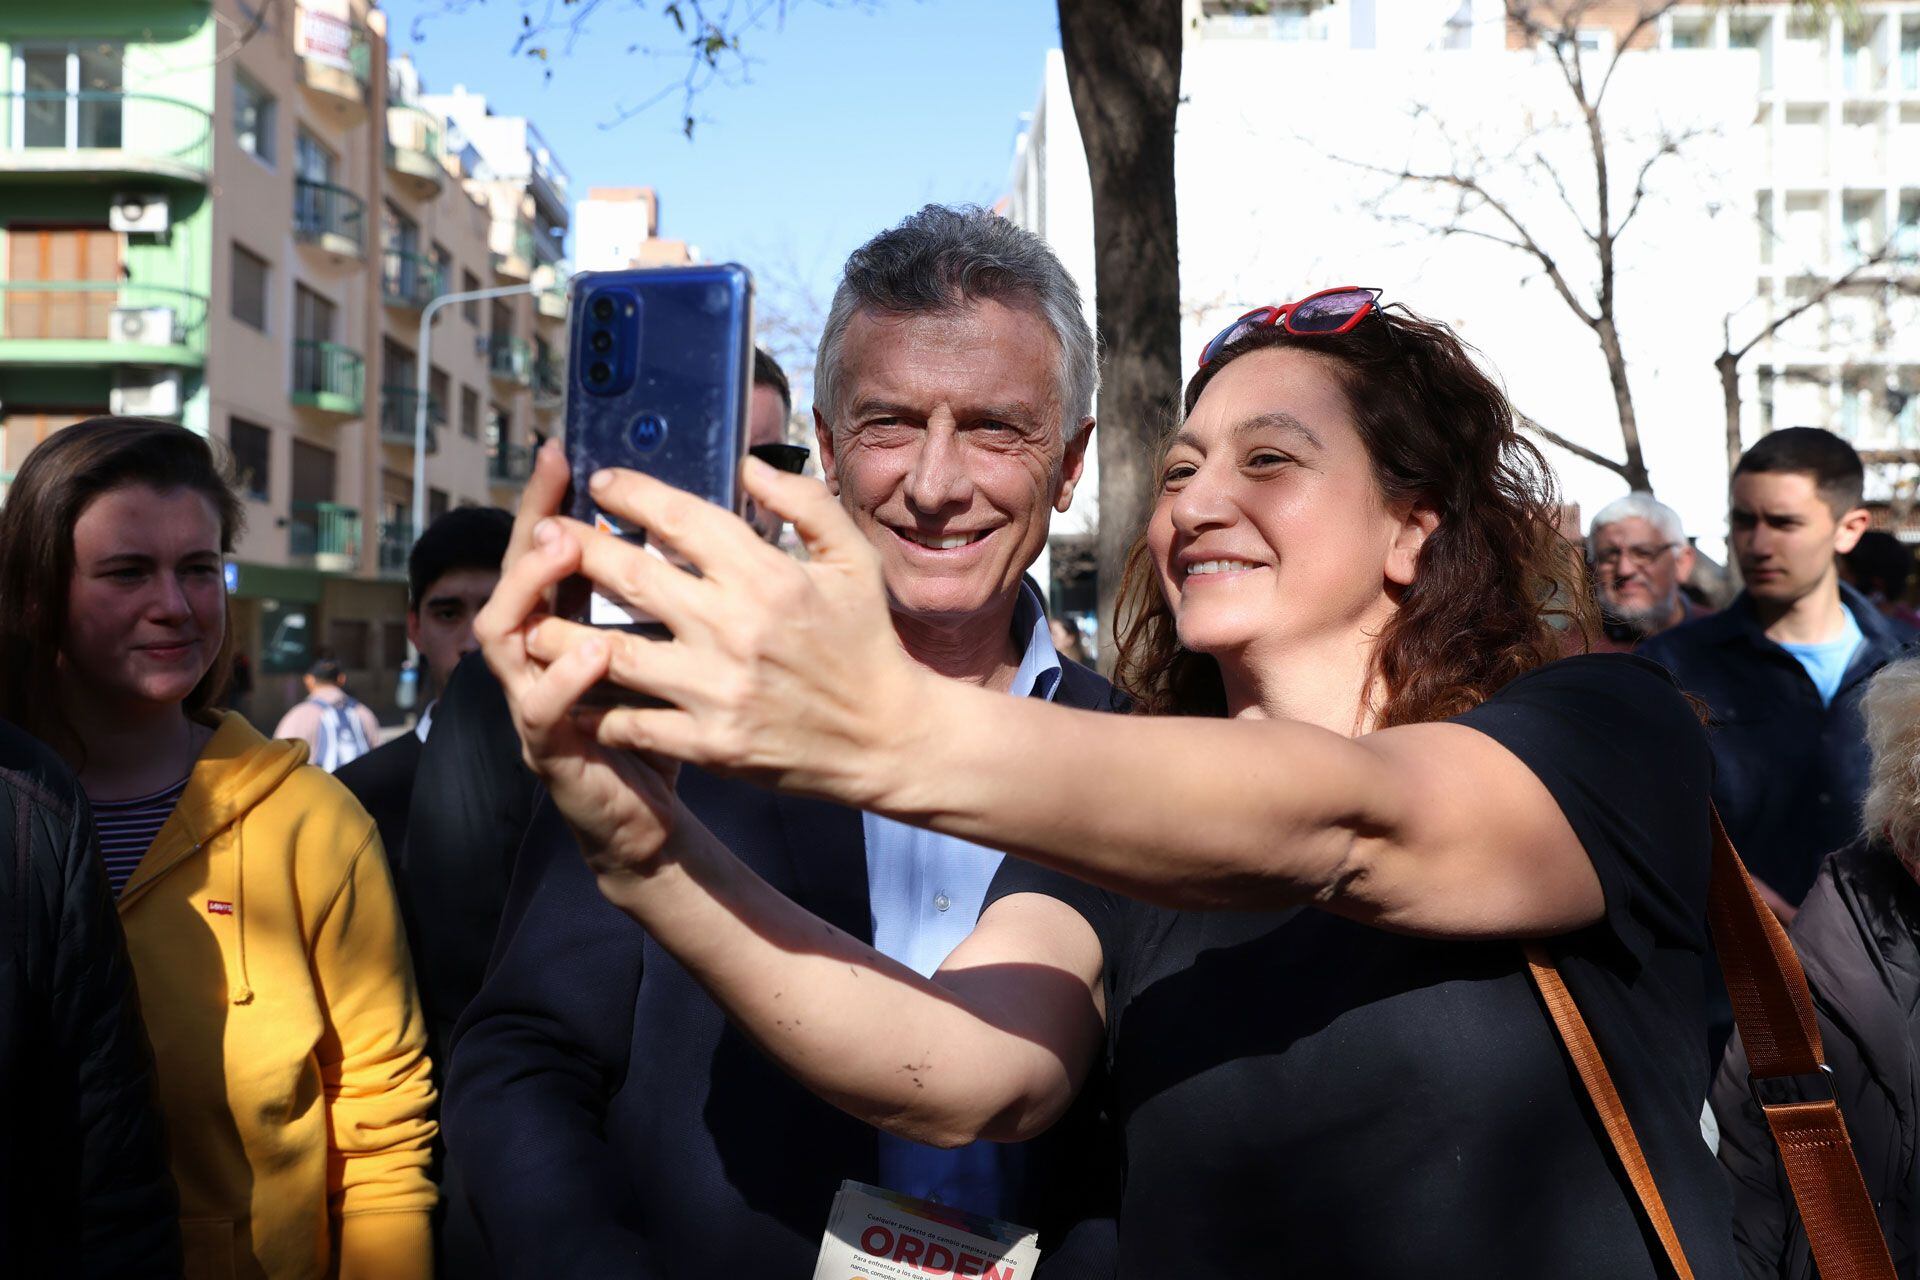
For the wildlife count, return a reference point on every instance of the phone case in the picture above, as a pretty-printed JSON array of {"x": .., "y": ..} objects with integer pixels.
[{"x": 667, "y": 394}]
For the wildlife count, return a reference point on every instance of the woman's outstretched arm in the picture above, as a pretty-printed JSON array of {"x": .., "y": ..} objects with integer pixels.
[
  {"x": 996, "y": 1046},
  {"x": 790, "y": 673}
]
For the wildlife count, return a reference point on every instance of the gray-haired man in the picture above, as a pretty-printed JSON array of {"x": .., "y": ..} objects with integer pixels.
[
  {"x": 608, "y": 1118},
  {"x": 1640, "y": 556}
]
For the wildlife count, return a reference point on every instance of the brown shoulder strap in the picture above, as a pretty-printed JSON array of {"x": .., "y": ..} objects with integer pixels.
[
  {"x": 1606, "y": 1100},
  {"x": 1774, "y": 1011},
  {"x": 1787, "y": 1071}
]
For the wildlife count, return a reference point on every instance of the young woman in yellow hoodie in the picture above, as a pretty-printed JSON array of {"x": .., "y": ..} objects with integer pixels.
[{"x": 273, "y": 972}]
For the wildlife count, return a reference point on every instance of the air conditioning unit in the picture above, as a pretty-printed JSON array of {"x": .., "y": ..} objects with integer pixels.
[
  {"x": 145, "y": 214},
  {"x": 146, "y": 393},
  {"x": 144, "y": 326}
]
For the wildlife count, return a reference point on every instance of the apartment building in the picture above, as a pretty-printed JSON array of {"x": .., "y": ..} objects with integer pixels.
[
  {"x": 1836, "y": 195},
  {"x": 524, "y": 189},
  {"x": 237, "y": 219}
]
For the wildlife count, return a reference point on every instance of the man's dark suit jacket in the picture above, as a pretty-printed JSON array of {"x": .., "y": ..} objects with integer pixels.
[
  {"x": 1789, "y": 773},
  {"x": 610, "y": 1121},
  {"x": 382, "y": 781}
]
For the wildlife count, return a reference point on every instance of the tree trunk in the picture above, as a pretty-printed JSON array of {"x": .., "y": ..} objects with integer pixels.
[
  {"x": 1729, "y": 366},
  {"x": 1123, "y": 70},
  {"x": 1636, "y": 463}
]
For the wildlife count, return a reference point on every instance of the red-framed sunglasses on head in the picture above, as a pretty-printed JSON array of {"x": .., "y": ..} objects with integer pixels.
[{"x": 1321, "y": 314}]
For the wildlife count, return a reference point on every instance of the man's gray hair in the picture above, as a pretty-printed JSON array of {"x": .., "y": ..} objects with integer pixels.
[
  {"x": 1892, "y": 711},
  {"x": 1639, "y": 505},
  {"x": 942, "y": 258}
]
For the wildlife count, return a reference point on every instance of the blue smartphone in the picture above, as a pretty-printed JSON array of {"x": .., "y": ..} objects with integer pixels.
[{"x": 659, "y": 373}]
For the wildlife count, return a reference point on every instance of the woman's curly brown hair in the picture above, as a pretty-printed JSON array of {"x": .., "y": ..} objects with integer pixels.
[{"x": 1492, "y": 576}]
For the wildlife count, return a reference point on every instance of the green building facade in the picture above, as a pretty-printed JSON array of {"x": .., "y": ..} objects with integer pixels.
[{"x": 106, "y": 158}]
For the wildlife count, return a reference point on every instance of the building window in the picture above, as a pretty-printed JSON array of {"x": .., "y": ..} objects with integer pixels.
[
  {"x": 436, "y": 504},
  {"x": 499, "y": 427},
  {"x": 469, "y": 413},
  {"x": 253, "y": 118},
  {"x": 470, "y": 309},
  {"x": 442, "y": 269},
  {"x": 393, "y": 645},
  {"x": 312, "y": 316},
  {"x": 312, "y": 160},
  {"x": 350, "y": 639},
  {"x": 70, "y": 96},
  {"x": 439, "y": 392},
  {"x": 250, "y": 287},
  {"x": 252, "y": 449}
]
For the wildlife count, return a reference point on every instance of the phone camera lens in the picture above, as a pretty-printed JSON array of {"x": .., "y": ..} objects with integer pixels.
[
  {"x": 603, "y": 308},
  {"x": 599, "y": 371},
  {"x": 601, "y": 342}
]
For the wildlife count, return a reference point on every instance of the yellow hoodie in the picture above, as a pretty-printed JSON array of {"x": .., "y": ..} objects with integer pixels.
[{"x": 288, "y": 1038}]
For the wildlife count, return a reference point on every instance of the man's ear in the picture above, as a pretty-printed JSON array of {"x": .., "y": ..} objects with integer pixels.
[
  {"x": 1073, "y": 465},
  {"x": 1852, "y": 525},
  {"x": 1684, "y": 560},
  {"x": 1403, "y": 556},
  {"x": 829, "y": 464},
  {"x": 413, "y": 628}
]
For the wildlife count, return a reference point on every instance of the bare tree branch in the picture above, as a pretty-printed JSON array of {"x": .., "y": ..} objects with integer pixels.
[
  {"x": 1670, "y": 145},
  {"x": 1883, "y": 254},
  {"x": 1541, "y": 162},
  {"x": 1578, "y": 450},
  {"x": 1523, "y": 238}
]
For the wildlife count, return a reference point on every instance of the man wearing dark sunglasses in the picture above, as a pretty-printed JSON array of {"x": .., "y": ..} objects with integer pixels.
[{"x": 767, "y": 415}]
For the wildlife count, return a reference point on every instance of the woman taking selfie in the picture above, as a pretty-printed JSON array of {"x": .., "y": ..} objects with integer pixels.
[
  {"x": 259, "y": 914},
  {"x": 1285, "y": 908}
]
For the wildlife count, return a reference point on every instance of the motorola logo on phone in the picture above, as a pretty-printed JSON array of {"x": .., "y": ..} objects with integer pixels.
[{"x": 648, "y": 433}]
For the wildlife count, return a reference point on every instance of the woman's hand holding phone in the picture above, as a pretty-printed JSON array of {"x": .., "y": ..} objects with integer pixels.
[
  {"x": 620, "y": 804},
  {"x": 782, "y": 671}
]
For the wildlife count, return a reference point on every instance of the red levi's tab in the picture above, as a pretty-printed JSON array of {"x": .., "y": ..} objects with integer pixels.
[{"x": 215, "y": 907}]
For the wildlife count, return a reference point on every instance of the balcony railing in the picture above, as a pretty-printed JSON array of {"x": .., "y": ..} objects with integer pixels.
[
  {"x": 510, "y": 464},
  {"x": 549, "y": 381},
  {"x": 398, "y": 414},
  {"x": 396, "y": 543},
  {"x": 101, "y": 131},
  {"x": 409, "y": 279},
  {"x": 330, "y": 216},
  {"x": 328, "y": 377},
  {"x": 413, "y": 148},
  {"x": 324, "y": 535},
  {"x": 510, "y": 359},
  {"x": 101, "y": 322}
]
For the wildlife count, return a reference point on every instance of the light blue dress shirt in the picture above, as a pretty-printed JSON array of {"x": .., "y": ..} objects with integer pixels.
[
  {"x": 925, "y": 890},
  {"x": 1827, "y": 662}
]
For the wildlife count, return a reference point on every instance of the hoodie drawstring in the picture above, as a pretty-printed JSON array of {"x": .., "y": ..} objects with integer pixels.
[{"x": 242, "y": 993}]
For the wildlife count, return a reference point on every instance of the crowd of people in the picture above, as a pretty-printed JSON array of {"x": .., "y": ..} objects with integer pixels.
[{"x": 1217, "y": 969}]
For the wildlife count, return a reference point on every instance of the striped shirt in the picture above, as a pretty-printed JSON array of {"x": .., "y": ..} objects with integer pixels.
[{"x": 127, "y": 829}]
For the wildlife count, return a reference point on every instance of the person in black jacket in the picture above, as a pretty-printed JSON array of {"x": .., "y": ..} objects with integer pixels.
[
  {"x": 1782, "y": 668},
  {"x": 1858, "y": 936},
  {"x": 84, "y": 1185},
  {"x": 450, "y": 574},
  {"x": 607, "y": 1119}
]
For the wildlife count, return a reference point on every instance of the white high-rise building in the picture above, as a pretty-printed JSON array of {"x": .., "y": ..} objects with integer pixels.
[
  {"x": 615, "y": 228},
  {"x": 1836, "y": 190},
  {"x": 1289, "y": 112}
]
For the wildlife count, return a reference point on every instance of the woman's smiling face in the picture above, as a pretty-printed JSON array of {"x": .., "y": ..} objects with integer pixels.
[{"x": 1270, "y": 532}]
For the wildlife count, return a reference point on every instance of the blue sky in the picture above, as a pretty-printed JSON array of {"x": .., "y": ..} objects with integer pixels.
[{"x": 854, "y": 114}]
